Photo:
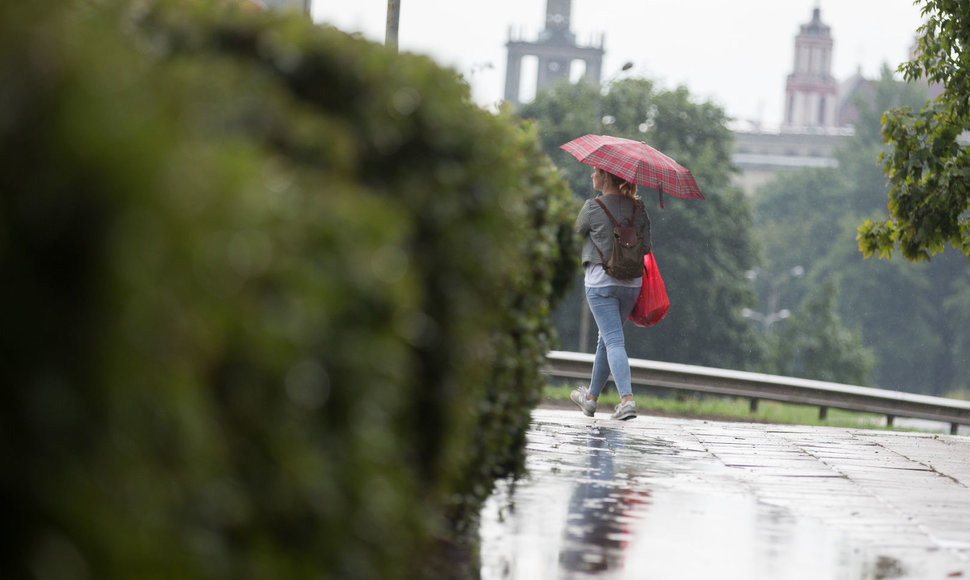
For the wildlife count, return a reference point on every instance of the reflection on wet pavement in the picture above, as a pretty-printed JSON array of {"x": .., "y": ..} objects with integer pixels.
[
  {"x": 602, "y": 509},
  {"x": 673, "y": 498}
]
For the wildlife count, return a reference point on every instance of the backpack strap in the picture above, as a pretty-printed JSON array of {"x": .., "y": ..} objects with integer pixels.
[{"x": 608, "y": 214}]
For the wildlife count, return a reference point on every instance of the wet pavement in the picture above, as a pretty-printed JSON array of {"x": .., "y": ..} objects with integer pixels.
[{"x": 664, "y": 498}]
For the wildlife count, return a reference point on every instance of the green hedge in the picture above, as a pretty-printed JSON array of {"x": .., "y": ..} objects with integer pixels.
[{"x": 275, "y": 299}]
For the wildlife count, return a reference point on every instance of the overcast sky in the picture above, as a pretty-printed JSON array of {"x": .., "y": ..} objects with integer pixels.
[{"x": 736, "y": 53}]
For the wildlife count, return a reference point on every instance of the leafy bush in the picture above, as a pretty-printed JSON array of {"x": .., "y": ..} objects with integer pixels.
[{"x": 276, "y": 298}]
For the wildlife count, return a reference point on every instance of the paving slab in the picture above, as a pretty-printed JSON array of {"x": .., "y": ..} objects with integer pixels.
[{"x": 661, "y": 498}]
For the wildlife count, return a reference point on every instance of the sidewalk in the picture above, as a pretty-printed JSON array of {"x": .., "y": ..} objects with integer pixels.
[{"x": 671, "y": 498}]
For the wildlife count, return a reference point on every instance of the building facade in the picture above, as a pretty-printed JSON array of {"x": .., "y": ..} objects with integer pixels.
[
  {"x": 811, "y": 92},
  {"x": 820, "y": 113},
  {"x": 556, "y": 49}
]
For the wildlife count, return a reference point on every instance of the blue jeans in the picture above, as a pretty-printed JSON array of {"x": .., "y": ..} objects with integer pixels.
[{"x": 611, "y": 305}]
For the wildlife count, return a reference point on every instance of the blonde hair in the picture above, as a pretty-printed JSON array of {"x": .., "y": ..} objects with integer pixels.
[{"x": 627, "y": 188}]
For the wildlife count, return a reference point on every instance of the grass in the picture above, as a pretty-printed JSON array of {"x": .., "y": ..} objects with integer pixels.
[{"x": 726, "y": 408}]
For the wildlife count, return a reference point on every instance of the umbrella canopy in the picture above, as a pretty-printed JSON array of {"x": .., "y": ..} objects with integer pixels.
[{"x": 636, "y": 162}]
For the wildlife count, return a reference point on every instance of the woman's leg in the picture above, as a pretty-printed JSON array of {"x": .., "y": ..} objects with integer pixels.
[
  {"x": 611, "y": 305},
  {"x": 601, "y": 369}
]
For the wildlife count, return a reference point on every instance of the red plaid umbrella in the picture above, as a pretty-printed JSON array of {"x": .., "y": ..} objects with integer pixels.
[{"x": 636, "y": 162}]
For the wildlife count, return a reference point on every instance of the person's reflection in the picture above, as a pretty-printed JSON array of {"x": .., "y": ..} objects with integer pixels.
[{"x": 600, "y": 510}]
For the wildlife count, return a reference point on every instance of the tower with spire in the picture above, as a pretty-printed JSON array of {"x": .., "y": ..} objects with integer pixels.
[
  {"x": 556, "y": 49},
  {"x": 811, "y": 92}
]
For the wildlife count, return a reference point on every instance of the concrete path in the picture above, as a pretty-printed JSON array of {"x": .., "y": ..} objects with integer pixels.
[{"x": 664, "y": 498}]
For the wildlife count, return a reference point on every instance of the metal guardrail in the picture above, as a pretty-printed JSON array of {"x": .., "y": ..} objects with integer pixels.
[{"x": 758, "y": 386}]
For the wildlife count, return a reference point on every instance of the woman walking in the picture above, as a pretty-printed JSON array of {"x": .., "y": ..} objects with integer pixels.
[{"x": 610, "y": 299}]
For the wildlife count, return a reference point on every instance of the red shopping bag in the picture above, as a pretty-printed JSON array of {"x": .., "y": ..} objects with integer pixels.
[{"x": 653, "y": 304}]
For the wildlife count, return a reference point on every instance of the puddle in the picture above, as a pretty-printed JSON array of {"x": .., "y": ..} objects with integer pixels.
[{"x": 599, "y": 502}]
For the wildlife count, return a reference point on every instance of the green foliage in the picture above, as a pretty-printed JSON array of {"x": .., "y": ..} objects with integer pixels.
[
  {"x": 277, "y": 298},
  {"x": 514, "y": 387},
  {"x": 816, "y": 345},
  {"x": 927, "y": 165},
  {"x": 797, "y": 218},
  {"x": 703, "y": 248},
  {"x": 910, "y": 316}
]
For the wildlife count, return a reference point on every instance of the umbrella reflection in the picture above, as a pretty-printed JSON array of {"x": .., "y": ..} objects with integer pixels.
[{"x": 602, "y": 508}]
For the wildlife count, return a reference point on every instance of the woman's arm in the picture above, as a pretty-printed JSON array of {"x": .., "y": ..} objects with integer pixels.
[
  {"x": 582, "y": 221},
  {"x": 647, "y": 241}
]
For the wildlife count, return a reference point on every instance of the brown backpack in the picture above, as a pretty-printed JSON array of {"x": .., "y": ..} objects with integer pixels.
[{"x": 626, "y": 261}]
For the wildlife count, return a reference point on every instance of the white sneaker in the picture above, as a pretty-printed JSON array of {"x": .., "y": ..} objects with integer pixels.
[
  {"x": 625, "y": 411},
  {"x": 579, "y": 397}
]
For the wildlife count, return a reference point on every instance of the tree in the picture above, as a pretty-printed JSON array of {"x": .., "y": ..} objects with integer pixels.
[
  {"x": 928, "y": 166},
  {"x": 802, "y": 215},
  {"x": 912, "y": 316},
  {"x": 276, "y": 299},
  {"x": 703, "y": 248},
  {"x": 817, "y": 345}
]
